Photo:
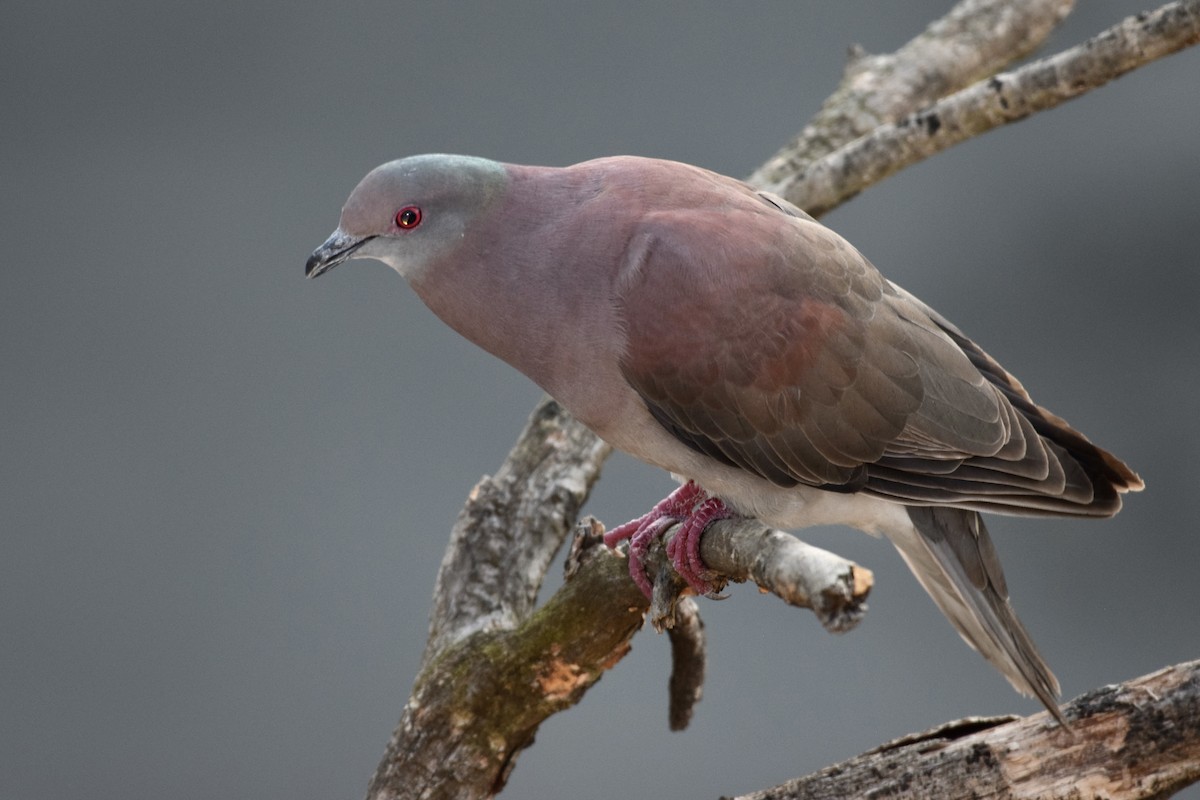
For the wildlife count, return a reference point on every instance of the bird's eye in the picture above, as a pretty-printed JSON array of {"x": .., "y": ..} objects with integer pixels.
[{"x": 408, "y": 217}]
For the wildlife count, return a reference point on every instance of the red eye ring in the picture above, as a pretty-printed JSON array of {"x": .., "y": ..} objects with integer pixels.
[{"x": 408, "y": 217}]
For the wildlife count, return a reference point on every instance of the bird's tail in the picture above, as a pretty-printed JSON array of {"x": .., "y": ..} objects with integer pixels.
[{"x": 951, "y": 553}]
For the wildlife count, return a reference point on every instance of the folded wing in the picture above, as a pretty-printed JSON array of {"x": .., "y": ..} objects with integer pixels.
[{"x": 794, "y": 359}]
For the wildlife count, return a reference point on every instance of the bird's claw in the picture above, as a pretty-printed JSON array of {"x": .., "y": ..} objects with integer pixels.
[{"x": 694, "y": 509}]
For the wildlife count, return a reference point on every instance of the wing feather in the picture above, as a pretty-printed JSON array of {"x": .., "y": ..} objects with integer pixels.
[{"x": 794, "y": 359}]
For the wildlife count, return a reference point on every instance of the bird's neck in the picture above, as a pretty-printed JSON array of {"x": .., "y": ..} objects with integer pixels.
[{"x": 546, "y": 312}]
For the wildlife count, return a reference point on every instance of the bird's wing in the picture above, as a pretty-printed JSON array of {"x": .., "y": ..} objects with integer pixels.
[
  {"x": 1068, "y": 474},
  {"x": 765, "y": 340}
]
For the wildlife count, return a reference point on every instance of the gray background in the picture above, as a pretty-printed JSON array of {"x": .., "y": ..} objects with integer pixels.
[{"x": 225, "y": 490}]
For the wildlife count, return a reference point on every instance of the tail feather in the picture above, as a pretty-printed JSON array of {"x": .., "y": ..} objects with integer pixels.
[{"x": 951, "y": 554}]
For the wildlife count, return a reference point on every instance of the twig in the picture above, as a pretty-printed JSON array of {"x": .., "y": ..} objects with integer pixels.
[
  {"x": 688, "y": 664},
  {"x": 800, "y": 574},
  {"x": 998, "y": 100},
  {"x": 974, "y": 40}
]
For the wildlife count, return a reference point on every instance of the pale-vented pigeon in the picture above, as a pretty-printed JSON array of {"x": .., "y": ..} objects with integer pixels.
[{"x": 724, "y": 335}]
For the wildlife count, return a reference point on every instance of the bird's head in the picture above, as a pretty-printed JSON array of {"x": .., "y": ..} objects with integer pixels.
[{"x": 411, "y": 213}]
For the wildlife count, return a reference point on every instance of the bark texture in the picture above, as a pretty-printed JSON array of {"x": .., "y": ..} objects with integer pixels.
[
  {"x": 975, "y": 40},
  {"x": 1139, "y": 739},
  {"x": 819, "y": 186}
]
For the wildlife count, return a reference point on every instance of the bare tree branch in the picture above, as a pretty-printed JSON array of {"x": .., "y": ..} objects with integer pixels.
[
  {"x": 798, "y": 573},
  {"x": 1138, "y": 739},
  {"x": 494, "y": 668},
  {"x": 974, "y": 41},
  {"x": 478, "y": 701},
  {"x": 688, "y": 664},
  {"x": 480, "y": 698},
  {"x": 990, "y": 103},
  {"x": 511, "y": 527}
]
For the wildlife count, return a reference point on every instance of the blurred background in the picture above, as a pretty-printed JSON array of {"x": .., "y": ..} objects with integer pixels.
[{"x": 225, "y": 491}]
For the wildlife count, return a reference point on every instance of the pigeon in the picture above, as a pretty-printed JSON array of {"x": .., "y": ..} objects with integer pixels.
[{"x": 721, "y": 333}]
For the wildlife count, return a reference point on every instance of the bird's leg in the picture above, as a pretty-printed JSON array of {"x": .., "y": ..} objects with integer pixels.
[
  {"x": 688, "y": 504},
  {"x": 677, "y": 505},
  {"x": 639, "y": 544}
]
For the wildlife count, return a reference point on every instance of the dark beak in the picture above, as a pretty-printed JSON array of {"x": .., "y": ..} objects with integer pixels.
[{"x": 337, "y": 248}]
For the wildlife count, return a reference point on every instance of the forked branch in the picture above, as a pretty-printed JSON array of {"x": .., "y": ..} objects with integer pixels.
[{"x": 494, "y": 668}]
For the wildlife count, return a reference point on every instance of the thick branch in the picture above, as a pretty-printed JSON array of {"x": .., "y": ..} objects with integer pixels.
[
  {"x": 480, "y": 698},
  {"x": 1139, "y": 739},
  {"x": 1004, "y": 98},
  {"x": 511, "y": 527},
  {"x": 975, "y": 40},
  {"x": 478, "y": 702}
]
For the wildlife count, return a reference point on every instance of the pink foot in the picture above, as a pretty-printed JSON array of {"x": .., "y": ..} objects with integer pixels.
[
  {"x": 684, "y": 548},
  {"x": 688, "y": 504}
]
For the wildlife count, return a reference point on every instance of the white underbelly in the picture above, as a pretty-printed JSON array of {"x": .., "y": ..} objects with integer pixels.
[{"x": 749, "y": 494}]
